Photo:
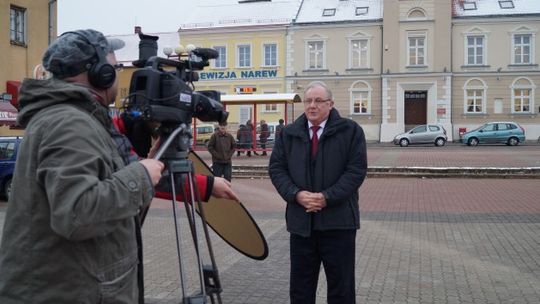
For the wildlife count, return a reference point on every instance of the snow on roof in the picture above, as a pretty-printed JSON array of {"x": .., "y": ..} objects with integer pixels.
[
  {"x": 228, "y": 13},
  {"x": 130, "y": 52},
  {"x": 339, "y": 10},
  {"x": 478, "y": 8}
]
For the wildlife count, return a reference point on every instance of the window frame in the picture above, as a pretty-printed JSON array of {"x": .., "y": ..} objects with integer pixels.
[
  {"x": 329, "y": 12},
  {"x": 354, "y": 89},
  {"x": 361, "y": 10},
  {"x": 467, "y": 88},
  {"x": 417, "y": 35},
  {"x": 531, "y": 87},
  {"x": 220, "y": 59},
  {"x": 309, "y": 52},
  {"x": 352, "y": 53},
  {"x": 531, "y": 48},
  {"x": 238, "y": 54},
  {"x": 20, "y": 17},
  {"x": 475, "y": 48},
  {"x": 502, "y": 6},
  {"x": 264, "y": 64}
]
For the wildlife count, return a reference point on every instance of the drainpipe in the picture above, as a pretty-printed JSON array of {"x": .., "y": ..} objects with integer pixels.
[
  {"x": 51, "y": 25},
  {"x": 381, "y": 67},
  {"x": 451, "y": 78}
]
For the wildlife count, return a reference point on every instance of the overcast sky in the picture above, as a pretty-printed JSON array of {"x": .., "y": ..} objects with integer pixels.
[{"x": 117, "y": 17}]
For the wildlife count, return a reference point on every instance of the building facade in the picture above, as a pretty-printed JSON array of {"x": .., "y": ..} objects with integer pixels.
[
  {"x": 32, "y": 26},
  {"x": 390, "y": 64}
]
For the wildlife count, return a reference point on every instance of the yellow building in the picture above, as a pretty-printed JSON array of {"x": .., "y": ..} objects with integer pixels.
[
  {"x": 252, "y": 51},
  {"x": 32, "y": 27}
]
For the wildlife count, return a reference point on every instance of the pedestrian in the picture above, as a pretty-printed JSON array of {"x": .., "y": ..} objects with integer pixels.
[
  {"x": 317, "y": 166},
  {"x": 280, "y": 127},
  {"x": 242, "y": 137},
  {"x": 249, "y": 132},
  {"x": 72, "y": 232},
  {"x": 263, "y": 136},
  {"x": 221, "y": 146}
]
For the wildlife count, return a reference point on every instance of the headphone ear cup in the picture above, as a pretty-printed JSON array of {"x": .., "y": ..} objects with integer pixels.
[{"x": 102, "y": 75}]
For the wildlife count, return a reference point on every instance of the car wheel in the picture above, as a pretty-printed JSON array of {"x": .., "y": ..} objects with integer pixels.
[
  {"x": 7, "y": 189},
  {"x": 439, "y": 142},
  {"x": 404, "y": 142},
  {"x": 473, "y": 141},
  {"x": 513, "y": 141}
]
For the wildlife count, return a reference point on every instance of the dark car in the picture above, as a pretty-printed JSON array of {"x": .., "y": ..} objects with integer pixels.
[
  {"x": 423, "y": 134},
  {"x": 8, "y": 154}
]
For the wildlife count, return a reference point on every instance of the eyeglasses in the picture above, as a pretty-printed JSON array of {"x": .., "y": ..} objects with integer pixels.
[
  {"x": 118, "y": 67},
  {"x": 317, "y": 101}
]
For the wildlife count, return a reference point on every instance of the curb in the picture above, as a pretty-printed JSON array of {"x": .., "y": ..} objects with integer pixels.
[{"x": 260, "y": 171}]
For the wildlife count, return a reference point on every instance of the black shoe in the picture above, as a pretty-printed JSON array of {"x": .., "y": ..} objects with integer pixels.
[
  {"x": 264, "y": 154},
  {"x": 255, "y": 153}
]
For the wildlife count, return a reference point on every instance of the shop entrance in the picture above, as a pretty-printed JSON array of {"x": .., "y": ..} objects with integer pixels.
[{"x": 415, "y": 109}]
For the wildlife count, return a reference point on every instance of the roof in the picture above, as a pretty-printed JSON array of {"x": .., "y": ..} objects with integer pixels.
[
  {"x": 339, "y": 10},
  {"x": 230, "y": 13},
  {"x": 130, "y": 51},
  {"x": 260, "y": 98},
  {"x": 483, "y": 8}
]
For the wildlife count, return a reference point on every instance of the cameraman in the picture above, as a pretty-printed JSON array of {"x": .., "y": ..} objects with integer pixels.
[{"x": 72, "y": 231}]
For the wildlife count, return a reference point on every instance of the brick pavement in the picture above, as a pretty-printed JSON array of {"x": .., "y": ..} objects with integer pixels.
[{"x": 421, "y": 241}]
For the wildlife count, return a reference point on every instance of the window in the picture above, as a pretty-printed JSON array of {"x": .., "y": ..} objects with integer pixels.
[
  {"x": 522, "y": 95},
  {"x": 270, "y": 54},
  {"x": 416, "y": 49},
  {"x": 17, "y": 25},
  {"x": 360, "y": 98},
  {"x": 505, "y": 4},
  {"x": 244, "y": 56},
  {"x": 475, "y": 50},
  {"x": 475, "y": 96},
  {"x": 419, "y": 129},
  {"x": 327, "y": 12},
  {"x": 522, "y": 101},
  {"x": 221, "y": 61},
  {"x": 469, "y": 5},
  {"x": 475, "y": 100},
  {"x": 359, "y": 53},
  {"x": 522, "y": 48},
  {"x": 315, "y": 50},
  {"x": 7, "y": 149},
  {"x": 361, "y": 10}
]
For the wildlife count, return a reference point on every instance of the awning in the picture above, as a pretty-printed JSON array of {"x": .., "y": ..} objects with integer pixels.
[{"x": 8, "y": 114}]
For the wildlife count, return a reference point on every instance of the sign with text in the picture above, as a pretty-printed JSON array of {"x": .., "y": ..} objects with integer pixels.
[{"x": 252, "y": 74}]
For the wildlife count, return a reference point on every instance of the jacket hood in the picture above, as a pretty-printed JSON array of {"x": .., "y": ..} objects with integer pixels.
[{"x": 36, "y": 95}]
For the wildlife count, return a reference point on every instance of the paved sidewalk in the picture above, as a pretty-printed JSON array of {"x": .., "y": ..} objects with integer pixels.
[
  {"x": 421, "y": 241},
  {"x": 451, "y": 155}
]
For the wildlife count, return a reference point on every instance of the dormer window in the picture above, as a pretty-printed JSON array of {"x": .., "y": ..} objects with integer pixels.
[
  {"x": 469, "y": 5},
  {"x": 327, "y": 12},
  {"x": 505, "y": 4},
  {"x": 361, "y": 10}
]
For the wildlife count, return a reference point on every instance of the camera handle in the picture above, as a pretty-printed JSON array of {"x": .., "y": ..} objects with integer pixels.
[{"x": 181, "y": 166}]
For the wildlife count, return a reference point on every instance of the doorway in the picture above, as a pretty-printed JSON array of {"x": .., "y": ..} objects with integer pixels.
[{"x": 415, "y": 108}]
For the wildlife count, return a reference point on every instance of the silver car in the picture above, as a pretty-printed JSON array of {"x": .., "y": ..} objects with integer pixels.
[{"x": 422, "y": 134}]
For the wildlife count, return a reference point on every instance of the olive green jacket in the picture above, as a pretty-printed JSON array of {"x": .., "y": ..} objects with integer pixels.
[{"x": 69, "y": 234}]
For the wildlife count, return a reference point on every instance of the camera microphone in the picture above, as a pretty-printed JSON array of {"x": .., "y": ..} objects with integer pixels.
[{"x": 206, "y": 53}]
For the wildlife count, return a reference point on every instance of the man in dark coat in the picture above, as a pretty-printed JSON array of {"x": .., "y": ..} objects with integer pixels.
[
  {"x": 221, "y": 146},
  {"x": 317, "y": 165}
]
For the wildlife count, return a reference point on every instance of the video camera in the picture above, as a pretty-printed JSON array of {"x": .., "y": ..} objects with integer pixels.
[{"x": 160, "y": 91}]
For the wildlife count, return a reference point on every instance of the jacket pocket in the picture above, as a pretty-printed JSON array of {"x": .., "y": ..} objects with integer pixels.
[{"x": 122, "y": 289}]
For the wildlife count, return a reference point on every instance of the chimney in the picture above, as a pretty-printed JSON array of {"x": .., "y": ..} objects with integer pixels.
[{"x": 138, "y": 30}]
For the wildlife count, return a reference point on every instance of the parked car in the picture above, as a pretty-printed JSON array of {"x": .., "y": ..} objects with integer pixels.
[
  {"x": 500, "y": 132},
  {"x": 422, "y": 134},
  {"x": 204, "y": 132},
  {"x": 8, "y": 154}
]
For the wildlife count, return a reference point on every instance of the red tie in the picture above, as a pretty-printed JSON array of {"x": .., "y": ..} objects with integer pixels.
[{"x": 314, "y": 140}]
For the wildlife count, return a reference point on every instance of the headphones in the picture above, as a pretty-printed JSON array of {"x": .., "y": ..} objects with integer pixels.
[{"x": 101, "y": 73}]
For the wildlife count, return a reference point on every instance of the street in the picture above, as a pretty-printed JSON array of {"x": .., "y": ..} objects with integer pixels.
[{"x": 422, "y": 240}]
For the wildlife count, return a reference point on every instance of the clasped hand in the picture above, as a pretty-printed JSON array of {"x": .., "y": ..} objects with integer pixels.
[{"x": 312, "y": 201}]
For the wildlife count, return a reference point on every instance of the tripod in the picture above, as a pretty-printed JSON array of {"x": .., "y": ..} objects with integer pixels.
[{"x": 174, "y": 153}]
